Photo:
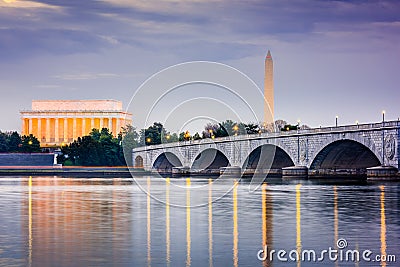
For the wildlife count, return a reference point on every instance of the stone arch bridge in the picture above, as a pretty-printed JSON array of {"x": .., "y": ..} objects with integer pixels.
[{"x": 344, "y": 150}]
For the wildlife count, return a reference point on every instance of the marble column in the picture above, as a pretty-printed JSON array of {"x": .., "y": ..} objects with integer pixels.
[
  {"x": 65, "y": 129},
  {"x": 101, "y": 123},
  {"x": 56, "y": 132},
  {"x": 91, "y": 124},
  {"x": 117, "y": 127},
  {"x": 110, "y": 124},
  {"x": 84, "y": 127},
  {"x": 23, "y": 130},
  {"x": 30, "y": 126},
  {"x": 39, "y": 129},
  {"x": 47, "y": 130},
  {"x": 74, "y": 128}
]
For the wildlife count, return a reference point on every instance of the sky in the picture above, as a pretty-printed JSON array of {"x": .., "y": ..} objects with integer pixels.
[{"x": 330, "y": 57}]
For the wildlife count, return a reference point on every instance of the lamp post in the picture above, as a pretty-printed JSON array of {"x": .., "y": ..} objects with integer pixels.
[
  {"x": 298, "y": 142},
  {"x": 235, "y": 129},
  {"x": 336, "y": 120},
  {"x": 383, "y": 137}
]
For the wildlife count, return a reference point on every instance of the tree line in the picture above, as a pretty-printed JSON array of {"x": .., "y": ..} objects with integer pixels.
[
  {"x": 13, "y": 142},
  {"x": 157, "y": 134},
  {"x": 101, "y": 148}
]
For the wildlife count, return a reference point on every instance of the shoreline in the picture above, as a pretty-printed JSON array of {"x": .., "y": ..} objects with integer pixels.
[{"x": 81, "y": 172}]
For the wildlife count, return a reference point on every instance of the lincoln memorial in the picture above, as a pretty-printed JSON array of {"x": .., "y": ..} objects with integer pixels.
[{"x": 58, "y": 122}]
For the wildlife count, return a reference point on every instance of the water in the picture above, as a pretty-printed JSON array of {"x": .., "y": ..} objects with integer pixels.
[{"x": 47, "y": 221}]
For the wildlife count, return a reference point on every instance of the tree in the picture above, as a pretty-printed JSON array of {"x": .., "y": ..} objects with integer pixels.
[
  {"x": 3, "y": 143},
  {"x": 30, "y": 144},
  {"x": 214, "y": 130},
  {"x": 172, "y": 138},
  {"x": 196, "y": 136},
  {"x": 99, "y": 148},
  {"x": 229, "y": 126},
  {"x": 14, "y": 142},
  {"x": 130, "y": 140},
  {"x": 289, "y": 127},
  {"x": 279, "y": 124},
  {"x": 152, "y": 135},
  {"x": 252, "y": 128}
]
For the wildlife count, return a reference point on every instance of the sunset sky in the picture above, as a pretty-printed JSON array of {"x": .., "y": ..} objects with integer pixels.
[{"x": 331, "y": 57}]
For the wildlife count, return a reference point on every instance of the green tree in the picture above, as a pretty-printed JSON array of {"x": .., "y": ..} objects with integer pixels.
[
  {"x": 196, "y": 136},
  {"x": 99, "y": 148},
  {"x": 3, "y": 143},
  {"x": 252, "y": 128},
  {"x": 289, "y": 127},
  {"x": 14, "y": 142},
  {"x": 30, "y": 144},
  {"x": 170, "y": 138},
  {"x": 228, "y": 125},
  {"x": 130, "y": 140},
  {"x": 153, "y": 135}
]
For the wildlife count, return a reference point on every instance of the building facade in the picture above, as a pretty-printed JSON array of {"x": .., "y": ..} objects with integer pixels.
[
  {"x": 59, "y": 122},
  {"x": 269, "y": 89}
]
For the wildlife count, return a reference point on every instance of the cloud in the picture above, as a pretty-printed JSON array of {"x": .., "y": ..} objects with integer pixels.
[
  {"x": 20, "y": 43},
  {"x": 25, "y": 4},
  {"x": 47, "y": 86},
  {"x": 86, "y": 76}
]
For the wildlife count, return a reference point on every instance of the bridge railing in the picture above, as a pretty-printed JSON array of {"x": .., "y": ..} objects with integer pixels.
[{"x": 344, "y": 128}]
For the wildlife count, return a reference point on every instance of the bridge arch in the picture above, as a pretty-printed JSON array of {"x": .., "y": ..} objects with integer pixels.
[
  {"x": 272, "y": 157},
  {"x": 210, "y": 159},
  {"x": 345, "y": 154},
  {"x": 166, "y": 161}
]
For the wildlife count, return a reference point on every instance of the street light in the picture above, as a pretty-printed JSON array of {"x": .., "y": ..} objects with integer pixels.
[
  {"x": 30, "y": 142},
  {"x": 211, "y": 133},
  {"x": 235, "y": 128},
  {"x": 383, "y": 138},
  {"x": 337, "y": 117},
  {"x": 148, "y": 140}
]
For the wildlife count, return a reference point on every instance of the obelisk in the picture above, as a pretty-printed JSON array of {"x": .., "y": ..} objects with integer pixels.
[{"x": 269, "y": 90}]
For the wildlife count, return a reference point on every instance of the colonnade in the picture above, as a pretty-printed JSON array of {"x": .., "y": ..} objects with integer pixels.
[{"x": 59, "y": 130}]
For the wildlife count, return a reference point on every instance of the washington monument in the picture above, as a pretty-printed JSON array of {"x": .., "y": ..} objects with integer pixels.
[{"x": 269, "y": 89}]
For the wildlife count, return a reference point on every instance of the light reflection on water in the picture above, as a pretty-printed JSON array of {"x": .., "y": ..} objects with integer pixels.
[{"x": 49, "y": 221}]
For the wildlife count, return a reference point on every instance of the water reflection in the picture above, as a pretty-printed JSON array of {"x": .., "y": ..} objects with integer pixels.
[
  {"x": 235, "y": 226},
  {"x": 210, "y": 229},
  {"x": 188, "y": 240},
  {"x": 335, "y": 220},
  {"x": 167, "y": 223},
  {"x": 383, "y": 225},
  {"x": 88, "y": 222},
  {"x": 266, "y": 215},
  {"x": 66, "y": 218},
  {"x": 30, "y": 219},
  {"x": 148, "y": 222},
  {"x": 298, "y": 224}
]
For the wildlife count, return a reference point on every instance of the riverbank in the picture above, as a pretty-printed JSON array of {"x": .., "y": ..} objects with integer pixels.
[{"x": 81, "y": 172}]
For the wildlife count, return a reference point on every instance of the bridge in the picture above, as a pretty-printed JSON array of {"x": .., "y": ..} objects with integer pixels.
[{"x": 351, "y": 150}]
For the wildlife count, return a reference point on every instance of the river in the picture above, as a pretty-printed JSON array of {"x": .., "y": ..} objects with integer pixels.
[{"x": 150, "y": 221}]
